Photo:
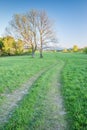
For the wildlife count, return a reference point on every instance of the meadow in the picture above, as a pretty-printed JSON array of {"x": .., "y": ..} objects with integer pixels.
[
  {"x": 15, "y": 70},
  {"x": 32, "y": 112},
  {"x": 74, "y": 89}
]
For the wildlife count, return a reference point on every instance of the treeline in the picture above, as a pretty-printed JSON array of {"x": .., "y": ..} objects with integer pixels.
[
  {"x": 10, "y": 46},
  {"x": 75, "y": 48}
]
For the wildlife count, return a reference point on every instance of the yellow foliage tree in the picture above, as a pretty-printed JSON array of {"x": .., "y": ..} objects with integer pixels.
[
  {"x": 8, "y": 44},
  {"x": 65, "y": 50},
  {"x": 75, "y": 48},
  {"x": 18, "y": 46},
  {"x": 11, "y": 46}
]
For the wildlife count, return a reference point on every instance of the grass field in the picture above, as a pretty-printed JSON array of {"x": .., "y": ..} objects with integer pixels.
[
  {"x": 14, "y": 71},
  {"x": 74, "y": 89},
  {"x": 33, "y": 111}
]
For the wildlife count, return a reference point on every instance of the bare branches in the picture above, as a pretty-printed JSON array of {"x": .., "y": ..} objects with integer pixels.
[
  {"x": 34, "y": 28},
  {"x": 46, "y": 34}
]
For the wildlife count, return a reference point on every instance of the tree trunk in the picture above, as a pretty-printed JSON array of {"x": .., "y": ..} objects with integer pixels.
[
  {"x": 41, "y": 55},
  {"x": 33, "y": 51},
  {"x": 33, "y": 54},
  {"x": 34, "y": 46}
]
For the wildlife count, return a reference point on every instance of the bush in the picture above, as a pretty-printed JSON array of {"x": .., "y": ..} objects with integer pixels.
[{"x": 85, "y": 50}]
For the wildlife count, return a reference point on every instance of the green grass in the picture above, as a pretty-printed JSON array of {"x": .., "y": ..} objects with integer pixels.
[
  {"x": 32, "y": 111},
  {"x": 74, "y": 89},
  {"x": 14, "y": 71}
]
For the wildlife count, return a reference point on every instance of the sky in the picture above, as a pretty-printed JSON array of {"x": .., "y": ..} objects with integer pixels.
[{"x": 69, "y": 18}]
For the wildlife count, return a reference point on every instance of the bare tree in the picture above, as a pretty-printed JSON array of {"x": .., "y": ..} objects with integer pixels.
[
  {"x": 24, "y": 27},
  {"x": 46, "y": 34},
  {"x": 32, "y": 17},
  {"x": 33, "y": 27}
]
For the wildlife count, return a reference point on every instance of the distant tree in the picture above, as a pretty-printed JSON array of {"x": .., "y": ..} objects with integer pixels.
[
  {"x": 85, "y": 50},
  {"x": 8, "y": 44},
  {"x": 18, "y": 46},
  {"x": 65, "y": 50},
  {"x": 1, "y": 46},
  {"x": 75, "y": 48}
]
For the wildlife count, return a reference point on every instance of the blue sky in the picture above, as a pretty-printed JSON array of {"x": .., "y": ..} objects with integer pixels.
[{"x": 69, "y": 16}]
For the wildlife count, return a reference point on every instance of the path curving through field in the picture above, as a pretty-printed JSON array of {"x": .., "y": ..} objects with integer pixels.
[
  {"x": 53, "y": 114},
  {"x": 12, "y": 99},
  {"x": 50, "y": 112}
]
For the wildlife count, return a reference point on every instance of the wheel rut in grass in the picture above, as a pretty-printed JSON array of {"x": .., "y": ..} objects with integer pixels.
[
  {"x": 12, "y": 99},
  {"x": 54, "y": 112},
  {"x": 49, "y": 112}
]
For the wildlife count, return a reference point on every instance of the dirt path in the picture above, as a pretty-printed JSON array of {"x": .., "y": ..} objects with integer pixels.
[
  {"x": 49, "y": 112},
  {"x": 11, "y": 100},
  {"x": 55, "y": 112}
]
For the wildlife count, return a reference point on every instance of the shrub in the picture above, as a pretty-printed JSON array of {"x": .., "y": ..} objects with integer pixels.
[{"x": 85, "y": 50}]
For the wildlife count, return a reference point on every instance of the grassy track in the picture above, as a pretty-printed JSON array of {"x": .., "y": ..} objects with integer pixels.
[
  {"x": 41, "y": 109},
  {"x": 12, "y": 99},
  {"x": 14, "y": 71}
]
